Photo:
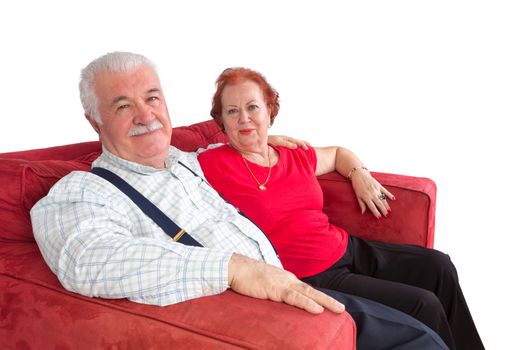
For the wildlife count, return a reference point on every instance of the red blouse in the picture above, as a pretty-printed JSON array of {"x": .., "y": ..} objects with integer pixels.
[{"x": 289, "y": 211}]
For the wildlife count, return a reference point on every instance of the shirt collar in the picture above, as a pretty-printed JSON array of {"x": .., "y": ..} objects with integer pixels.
[{"x": 110, "y": 158}]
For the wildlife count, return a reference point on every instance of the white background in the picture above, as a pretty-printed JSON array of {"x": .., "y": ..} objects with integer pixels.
[{"x": 432, "y": 89}]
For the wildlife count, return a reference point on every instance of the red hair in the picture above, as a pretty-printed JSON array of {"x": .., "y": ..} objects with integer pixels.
[{"x": 232, "y": 76}]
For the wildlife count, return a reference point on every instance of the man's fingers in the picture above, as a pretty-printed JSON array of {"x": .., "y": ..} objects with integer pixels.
[
  {"x": 298, "y": 299},
  {"x": 297, "y": 143},
  {"x": 312, "y": 300},
  {"x": 325, "y": 300},
  {"x": 362, "y": 205}
]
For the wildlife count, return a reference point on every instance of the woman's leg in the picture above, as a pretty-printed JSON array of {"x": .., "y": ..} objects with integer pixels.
[
  {"x": 421, "y": 267},
  {"x": 418, "y": 281},
  {"x": 416, "y": 302},
  {"x": 381, "y": 327}
]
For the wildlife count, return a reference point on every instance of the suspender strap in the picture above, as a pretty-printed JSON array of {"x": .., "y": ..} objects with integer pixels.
[{"x": 150, "y": 209}]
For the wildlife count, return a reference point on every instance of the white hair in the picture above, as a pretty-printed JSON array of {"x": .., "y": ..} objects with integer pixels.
[{"x": 113, "y": 62}]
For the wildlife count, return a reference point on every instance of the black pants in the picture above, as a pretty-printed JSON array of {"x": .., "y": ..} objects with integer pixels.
[
  {"x": 418, "y": 281},
  {"x": 380, "y": 327}
]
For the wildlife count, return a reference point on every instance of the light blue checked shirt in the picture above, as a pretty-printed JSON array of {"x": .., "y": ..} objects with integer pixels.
[{"x": 99, "y": 243}]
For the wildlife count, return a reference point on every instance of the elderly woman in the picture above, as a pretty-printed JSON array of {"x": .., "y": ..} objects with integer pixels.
[{"x": 277, "y": 188}]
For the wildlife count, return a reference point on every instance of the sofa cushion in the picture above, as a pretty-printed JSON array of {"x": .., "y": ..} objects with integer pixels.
[
  {"x": 24, "y": 182},
  {"x": 37, "y": 313},
  {"x": 195, "y": 136}
]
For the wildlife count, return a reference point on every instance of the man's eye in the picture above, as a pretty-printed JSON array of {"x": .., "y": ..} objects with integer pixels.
[
  {"x": 153, "y": 98},
  {"x": 123, "y": 106}
]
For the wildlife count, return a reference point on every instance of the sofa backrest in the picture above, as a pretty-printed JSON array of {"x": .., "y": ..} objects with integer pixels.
[{"x": 27, "y": 176}]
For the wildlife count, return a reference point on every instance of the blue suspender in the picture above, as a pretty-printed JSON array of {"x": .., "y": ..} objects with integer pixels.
[
  {"x": 238, "y": 210},
  {"x": 161, "y": 219}
]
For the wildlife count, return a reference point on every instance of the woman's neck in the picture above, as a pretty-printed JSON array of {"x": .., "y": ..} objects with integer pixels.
[{"x": 264, "y": 156}]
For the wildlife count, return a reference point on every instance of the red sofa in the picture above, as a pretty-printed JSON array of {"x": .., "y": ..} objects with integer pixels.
[{"x": 38, "y": 313}]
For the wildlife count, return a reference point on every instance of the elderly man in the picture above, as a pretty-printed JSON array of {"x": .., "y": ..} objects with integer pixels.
[{"x": 99, "y": 243}]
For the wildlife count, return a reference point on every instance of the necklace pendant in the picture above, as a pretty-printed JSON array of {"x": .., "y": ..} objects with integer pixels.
[{"x": 262, "y": 188}]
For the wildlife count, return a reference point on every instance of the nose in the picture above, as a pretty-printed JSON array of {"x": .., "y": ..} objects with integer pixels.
[
  {"x": 143, "y": 114},
  {"x": 243, "y": 116}
]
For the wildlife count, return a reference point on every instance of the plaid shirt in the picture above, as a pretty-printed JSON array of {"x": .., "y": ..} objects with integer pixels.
[{"x": 99, "y": 243}]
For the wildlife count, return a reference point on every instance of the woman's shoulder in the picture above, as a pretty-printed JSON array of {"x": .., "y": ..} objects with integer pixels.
[
  {"x": 295, "y": 152},
  {"x": 214, "y": 150},
  {"x": 217, "y": 154}
]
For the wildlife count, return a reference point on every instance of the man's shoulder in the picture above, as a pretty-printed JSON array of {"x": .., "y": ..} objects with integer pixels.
[{"x": 78, "y": 183}]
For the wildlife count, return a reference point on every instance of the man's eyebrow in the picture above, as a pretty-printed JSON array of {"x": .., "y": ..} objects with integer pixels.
[
  {"x": 122, "y": 97},
  {"x": 118, "y": 99},
  {"x": 153, "y": 90}
]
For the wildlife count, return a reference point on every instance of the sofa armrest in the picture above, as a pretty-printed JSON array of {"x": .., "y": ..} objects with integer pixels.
[
  {"x": 412, "y": 218},
  {"x": 37, "y": 313}
]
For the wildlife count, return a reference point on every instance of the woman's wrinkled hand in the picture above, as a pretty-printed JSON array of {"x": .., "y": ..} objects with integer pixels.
[{"x": 371, "y": 194}]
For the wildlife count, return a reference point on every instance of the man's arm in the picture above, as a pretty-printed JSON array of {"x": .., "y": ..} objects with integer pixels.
[
  {"x": 260, "y": 280},
  {"x": 91, "y": 249},
  {"x": 287, "y": 141}
]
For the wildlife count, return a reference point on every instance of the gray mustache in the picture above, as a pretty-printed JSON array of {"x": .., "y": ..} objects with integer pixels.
[{"x": 143, "y": 129}]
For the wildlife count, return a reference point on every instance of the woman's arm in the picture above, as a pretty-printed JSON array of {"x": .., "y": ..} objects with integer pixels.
[{"x": 369, "y": 192}]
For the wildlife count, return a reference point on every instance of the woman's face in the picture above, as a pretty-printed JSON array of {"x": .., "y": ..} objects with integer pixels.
[{"x": 245, "y": 116}]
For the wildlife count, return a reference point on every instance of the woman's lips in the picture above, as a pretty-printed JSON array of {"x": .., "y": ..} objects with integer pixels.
[{"x": 245, "y": 131}]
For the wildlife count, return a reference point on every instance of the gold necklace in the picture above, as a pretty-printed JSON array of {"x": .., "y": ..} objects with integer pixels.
[{"x": 262, "y": 186}]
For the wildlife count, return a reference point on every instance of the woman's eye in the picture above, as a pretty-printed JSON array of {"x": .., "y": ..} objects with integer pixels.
[
  {"x": 232, "y": 111},
  {"x": 252, "y": 107}
]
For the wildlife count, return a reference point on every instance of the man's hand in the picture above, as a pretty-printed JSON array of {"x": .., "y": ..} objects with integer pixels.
[
  {"x": 287, "y": 141},
  {"x": 260, "y": 280}
]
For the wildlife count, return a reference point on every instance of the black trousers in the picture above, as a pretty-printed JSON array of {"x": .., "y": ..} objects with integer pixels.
[
  {"x": 380, "y": 327},
  {"x": 418, "y": 281}
]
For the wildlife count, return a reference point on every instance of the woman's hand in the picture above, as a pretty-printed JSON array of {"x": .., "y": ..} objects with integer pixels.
[
  {"x": 287, "y": 141},
  {"x": 370, "y": 193}
]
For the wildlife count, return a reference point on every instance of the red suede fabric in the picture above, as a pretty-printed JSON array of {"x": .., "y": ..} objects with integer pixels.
[
  {"x": 200, "y": 135},
  {"x": 37, "y": 313},
  {"x": 24, "y": 183},
  {"x": 411, "y": 221}
]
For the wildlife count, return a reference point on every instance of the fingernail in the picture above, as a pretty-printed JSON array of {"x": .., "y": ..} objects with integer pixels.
[
  {"x": 389, "y": 210},
  {"x": 393, "y": 198}
]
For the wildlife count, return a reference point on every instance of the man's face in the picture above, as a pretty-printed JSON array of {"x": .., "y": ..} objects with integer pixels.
[{"x": 135, "y": 122}]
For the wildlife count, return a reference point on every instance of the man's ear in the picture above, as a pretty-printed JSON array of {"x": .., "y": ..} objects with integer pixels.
[{"x": 93, "y": 123}]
